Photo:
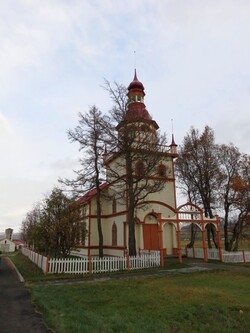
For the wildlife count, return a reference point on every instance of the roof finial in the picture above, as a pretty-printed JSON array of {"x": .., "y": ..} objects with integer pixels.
[
  {"x": 135, "y": 58},
  {"x": 173, "y": 142},
  {"x": 135, "y": 76}
]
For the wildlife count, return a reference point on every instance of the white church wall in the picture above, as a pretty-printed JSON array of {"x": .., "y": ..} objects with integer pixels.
[{"x": 168, "y": 242}]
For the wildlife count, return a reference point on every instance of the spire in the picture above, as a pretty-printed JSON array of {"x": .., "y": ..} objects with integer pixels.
[
  {"x": 173, "y": 142},
  {"x": 136, "y": 108},
  {"x": 173, "y": 146},
  {"x": 135, "y": 77},
  {"x": 136, "y": 84}
]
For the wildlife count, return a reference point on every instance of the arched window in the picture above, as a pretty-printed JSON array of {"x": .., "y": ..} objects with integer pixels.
[
  {"x": 145, "y": 128},
  {"x": 162, "y": 170},
  {"x": 140, "y": 169},
  {"x": 114, "y": 234},
  {"x": 132, "y": 131},
  {"x": 114, "y": 206}
]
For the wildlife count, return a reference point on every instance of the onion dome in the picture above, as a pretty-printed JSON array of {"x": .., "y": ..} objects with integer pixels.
[
  {"x": 137, "y": 111},
  {"x": 136, "y": 107},
  {"x": 136, "y": 84}
]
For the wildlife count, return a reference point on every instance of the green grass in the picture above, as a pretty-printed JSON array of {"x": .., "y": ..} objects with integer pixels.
[
  {"x": 26, "y": 267},
  {"x": 191, "y": 303},
  {"x": 198, "y": 302}
]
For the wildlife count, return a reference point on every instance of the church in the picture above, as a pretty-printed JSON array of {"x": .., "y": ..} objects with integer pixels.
[{"x": 157, "y": 220}]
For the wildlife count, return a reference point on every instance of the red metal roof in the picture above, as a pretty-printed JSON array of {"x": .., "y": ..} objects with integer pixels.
[
  {"x": 89, "y": 195},
  {"x": 136, "y": 84}
]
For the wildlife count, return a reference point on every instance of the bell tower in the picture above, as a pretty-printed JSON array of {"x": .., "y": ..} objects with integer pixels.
[{"x": 137, "y": 117}]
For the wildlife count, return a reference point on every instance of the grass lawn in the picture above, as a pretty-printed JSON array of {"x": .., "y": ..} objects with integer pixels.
[
  {"x": 217, "y": 302},
  {"x": 197, "y": 302}
]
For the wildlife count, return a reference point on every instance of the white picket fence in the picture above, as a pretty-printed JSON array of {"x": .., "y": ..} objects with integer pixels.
[
  {"x": 84, "y": 265},
  {"x": 234, "y": 257},
  {"x": 36, "y": 258}
]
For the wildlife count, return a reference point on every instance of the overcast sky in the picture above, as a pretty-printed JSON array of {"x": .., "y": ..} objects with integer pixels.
[{"x": 193, "y": 57}]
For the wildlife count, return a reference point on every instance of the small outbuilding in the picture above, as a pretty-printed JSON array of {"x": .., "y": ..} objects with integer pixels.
[{"x": 6, "y": 244}]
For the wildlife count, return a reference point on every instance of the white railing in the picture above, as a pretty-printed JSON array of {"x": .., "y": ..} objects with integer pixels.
[
  {"x": 240, "y": 256},
  {"x": 36, "y": 258},
  {"x": 68, "y": 265},
  {"x": 145, "y": 261},
  {"x": 108, "y": 264},
  {"x": 84, "y": 265},
  {"x": 199, "y": 253},
  {"x": 233, "y": 257}
]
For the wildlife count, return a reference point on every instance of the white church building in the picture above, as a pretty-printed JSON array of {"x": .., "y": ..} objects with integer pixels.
[{"x": 158, "y": 223}]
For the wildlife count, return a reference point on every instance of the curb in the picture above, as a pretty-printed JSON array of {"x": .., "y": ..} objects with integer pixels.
[{"x": 20, "y": 277}]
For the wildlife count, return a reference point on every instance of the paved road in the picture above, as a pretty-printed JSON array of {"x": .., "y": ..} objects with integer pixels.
[{"x": 17, "y": 314}]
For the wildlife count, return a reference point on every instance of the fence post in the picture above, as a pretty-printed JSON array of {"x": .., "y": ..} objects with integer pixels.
[
  {"x": 244, "y": 256},
  {"x": 221, "y": 254},
  {"x": 161, "y": 258},
  {"x": 47, "y": 265},
  {"x": 128, "y": 263},
  {"x": 90, "y": 264}
]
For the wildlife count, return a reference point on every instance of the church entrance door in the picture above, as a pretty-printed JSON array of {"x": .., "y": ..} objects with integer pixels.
[{"x": 150, "y": 236}]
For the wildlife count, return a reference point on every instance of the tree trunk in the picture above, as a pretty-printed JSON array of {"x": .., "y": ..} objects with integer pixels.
[
  {"x": 131, "y": 231},
  {"x": 226, "y": 240},
  {"x": 99, "y": 223},
  {"x": 209, "y": 244},
  {"x": 131, "y": 206},
  {"x": 214, "y": 236},
  {"x": 192, "y": 235},
  {"x": 131, "y": 223}
]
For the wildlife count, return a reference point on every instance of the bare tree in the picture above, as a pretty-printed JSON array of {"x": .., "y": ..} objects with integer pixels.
[
  {"x": 230, "y": 160},
  {"x": 198, "y": 171},
  {"x": 216, "y": 176},
  {"x": 133, "y": 152},
  {"x": 240, "y": 186},
  {"x": 90, "y": 135},
  {"x": 136, "y": 151}
]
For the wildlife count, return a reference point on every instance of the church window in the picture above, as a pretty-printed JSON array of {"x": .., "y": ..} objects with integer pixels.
[
  {"x": 140, "y": 168},
  {"x": 162, "y": 170},
  {"x": 145, "y": 128},
  {"x": 114, "y": 234},
  {"x": 132, "y": 130}
]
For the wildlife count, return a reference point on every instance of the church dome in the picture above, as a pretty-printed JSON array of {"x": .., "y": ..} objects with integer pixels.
[
  {"x": 135, "y": 84},
  {"x": 136, "y": 111}
]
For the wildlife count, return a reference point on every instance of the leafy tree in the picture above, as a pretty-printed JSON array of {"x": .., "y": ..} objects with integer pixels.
[
  {"x": 56, "y": 227},
  {"x": 61, "y": 217},
  {"x": 29, "y": 224}
]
